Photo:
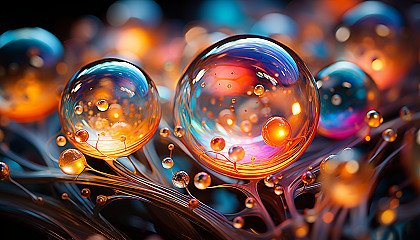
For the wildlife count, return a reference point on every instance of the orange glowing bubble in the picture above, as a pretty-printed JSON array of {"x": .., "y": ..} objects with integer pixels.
[
  {"x": 72, "y": 162},
  {"x": 81, "y": 135},
  {"x": 276, "y": 131},
  {"x": 217, "y": 143}
]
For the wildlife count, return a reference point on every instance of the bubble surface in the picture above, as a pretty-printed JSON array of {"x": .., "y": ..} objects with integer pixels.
[
  {"x": 121, "y": 108},
  {"x": 346, "y": 93},
  {"x": 266, "y": 79},
  {"x": 29, "y": 82}
]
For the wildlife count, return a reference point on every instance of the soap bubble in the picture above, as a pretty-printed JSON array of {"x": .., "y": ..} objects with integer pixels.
[
  {"x": 266, "y": 79},
  {"x": 29, "y": 82},
  {"x": 346, "y": 94},
  {"x": 121, "y": 109},
  {"x": 375, "y": 35}
]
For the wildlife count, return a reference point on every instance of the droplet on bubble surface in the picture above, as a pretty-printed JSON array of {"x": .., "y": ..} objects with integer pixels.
[
  {"x": 276, "y": 131},
  {"x": 121, "y": 101},
  {"x": 260, "y": 91}
]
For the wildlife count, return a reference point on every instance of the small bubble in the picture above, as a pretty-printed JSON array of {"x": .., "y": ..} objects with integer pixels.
[
  {"x": 236, "y": 153},
  {"x": 217, "y": 143},
  {"x": 81, "y": 135},
  {"x": 406, "y": 114},
  {"x": 373, "y": 118},
  {"x": 308, "y": 177},
  {"x": 85, "y": 192},
  {"x": 179, "y": 131},
  {"x": 202, "y": 180},
  {"x": 78, "y": 109},
  {"x": 164, "y": 132},
  {"x": 389, "y": 135},
  {"x": 101, "y": 200},
  {"x": 233, "y": 100},
  {"x": 250, "y": 202},
  {"x": 229, "y": 86},
  {"x": 61, "y": 141},
  {"x": 102, "y": 105},
  {"x": 123, "y": 138},
  {"x": 180, "y": 179},
  {"x": 259, "y": 89},
  {"x": 238, "y": 222},
  {"x": 193, "y": 203},
  {"x": 270, "y": 181},
  {"x": 171, "y": 146},
  {"x": 72, "y": 161},
  {"x": 167, "y": 163},
  {"x": 246, "y": 126},
  {"x": 336, "y": 99},
  {"x": 203, "y": 84},
  {"x": 278, "y": 190}
]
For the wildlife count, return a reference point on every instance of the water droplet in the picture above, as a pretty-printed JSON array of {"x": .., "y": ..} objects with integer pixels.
[
  {"x": 236, "y": 153},
  {"x": 258, "y": 90},
  {"x": 373, "y": 118},
  {"x": 78, "y": 109},
  {"x": 276, "y": 131},
  {"x": 308, "y": 177},
  {"x": 164, "y": 132},
  {"x": 202, "y": 180},
  {"x": 102, "y": 105},
  {"x": 389, "y": 135},
  {"x": 193, "y": 203},
  {"x": 61, "y": 141},
  {"x": 81, "y": 135},
  {"x": 179, "y": 131},
  {"x": 72, "y": 161},
  {"x": 180, "y": 179},
  {"x": 217, "y": 143},
  {"x": 250, "y": 202},
  {"x": 238, "y": 222},
  {"x": 167, "y": 163}
]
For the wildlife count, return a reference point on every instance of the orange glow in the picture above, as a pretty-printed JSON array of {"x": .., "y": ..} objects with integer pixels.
[
  {"x": 387, "y": 217},
  {"x": 377, "y": 64},
  {"x": 133, "y": 40},
  {"x": 276, "y": 131},
  {"x": 296, "y": 108},
  {"x": 328, "y": 217}
]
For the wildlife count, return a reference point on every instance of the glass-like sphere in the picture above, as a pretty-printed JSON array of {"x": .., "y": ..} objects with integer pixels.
[
  {"x": 230, "y": 90},
  {"x": 347, "y": 93},
  {"x": 375, "y": 36},
  {"x": 29, "y": 82},
  {"x": 72, "y": 161},
  {"x": 110, "y": 108}
]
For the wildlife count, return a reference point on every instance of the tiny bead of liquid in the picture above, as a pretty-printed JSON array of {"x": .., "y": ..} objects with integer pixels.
[
  {"x": 164, "y": 132},
  {"x": 217, "y": 143},
  {"x": 61, "y": 141},
  {"x": 373, "y": 118},
  {"x": 250, "y": 202}
]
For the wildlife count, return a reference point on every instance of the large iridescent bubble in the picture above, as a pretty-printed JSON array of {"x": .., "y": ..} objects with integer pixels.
[
  {"x": 110, "y": 108},
  {"x": 375, "y": 36},
  {"x": 347, "y": 93},
  {"x": 29, "y": 82},
  {"x": 240, "y": 89}
]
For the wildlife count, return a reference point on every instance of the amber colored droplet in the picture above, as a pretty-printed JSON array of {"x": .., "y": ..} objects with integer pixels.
[
  {"x": 232, "y": 108},
  {"x": 64, "y": 196},
  {"x": 238, "y": 222},
  {"x": 278, "y": 190},
  {"x": 85, "y": 192},
  {"x": 276, "y": 131},
  {"x": 72, "y": 161},
  {"x": 233, "y": 100},
  {"x": 81, "y": 135},
  {"x": 308, "y": 177},
  {"x": 259, "y": 89},
  {"x": 102, "y": 105},
  {"x": 406, "y": 114},
  {"x": 236, "y": 153},
  {"x": 123, "y": 138},
  {"x": 61, "y": 141},
  {"x": 203, "y": 84},
  {"x": 193, "y": 203},
  {"x": 229, "y": 86},
  {"x": 217, "y": 143},
  {"x": 389, "y": 135},
  {"x": 250, "y": 202},
  {"x": 164, "y": 132},
  {"x": 180, "y": 179},
  {"x": 4, "y": 171},
  {"x": 171, "y": 146},
  {"x": 167, "y": 163},
  {"x": 179, "y": 131},
  {"x": 101, "y": 200},
  {"x": 270, "y": 181},
  {"x": 202, "y": 180},
  {"x": 78, "y": 109},
  {"x": 373, "y": 118}
]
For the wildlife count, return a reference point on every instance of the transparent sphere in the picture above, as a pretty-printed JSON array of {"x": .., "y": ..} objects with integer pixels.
[
  {"x": 72, "y": 161},
  {"x": 110, "y": 108},
  {"x": 375, "y": 35},
  {"x": 230, "y": 90},
  {"x": 29, "y": 82},
  {"x": 347, "y": 93}
]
